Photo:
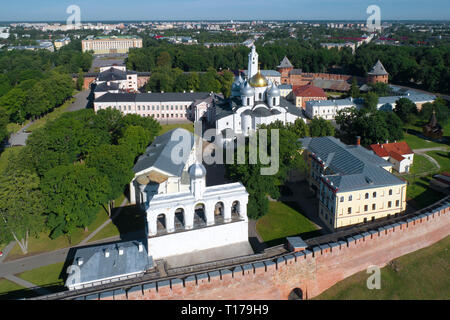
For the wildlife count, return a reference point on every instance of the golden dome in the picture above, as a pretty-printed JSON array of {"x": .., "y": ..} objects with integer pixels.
[{"x": 258, "y": 80}]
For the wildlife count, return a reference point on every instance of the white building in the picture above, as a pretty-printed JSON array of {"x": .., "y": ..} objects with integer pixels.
[
  {"x": 254, "y": 101},
  {"x": 328, "y": 109},
  {"x": 115, "y": 79},
  {"x": 397, "y": 153},
  {"x": 183, "y": 214}
]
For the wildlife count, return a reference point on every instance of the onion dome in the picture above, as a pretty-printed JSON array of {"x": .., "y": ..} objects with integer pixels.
[
  {"x": 258, "y": 80},
  {"x": 197, "y": 170},
  {"x": 237, "y": 83},
  {"x": 247, "y": 90},
  {"x": 274, "y": 91}
]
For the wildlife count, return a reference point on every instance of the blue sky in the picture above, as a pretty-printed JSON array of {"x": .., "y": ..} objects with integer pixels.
[{"x": 37, "y": 10}]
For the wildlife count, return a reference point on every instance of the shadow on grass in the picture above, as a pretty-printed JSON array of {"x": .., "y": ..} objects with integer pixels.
[
  {"x": 31, "y": 292},
  {"x": 428, "y": 197},
  {"x": 419, "y": 134}
]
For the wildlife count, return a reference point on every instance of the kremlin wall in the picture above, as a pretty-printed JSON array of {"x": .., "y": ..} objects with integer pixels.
[{"x": 309, "y": 271}]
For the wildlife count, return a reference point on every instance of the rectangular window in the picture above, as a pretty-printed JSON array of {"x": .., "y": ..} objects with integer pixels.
[
  {"x": 374, "y": 206},
  {"x": 397, "y": 203},
  {"x": 389, "y": 204},
  {"x": 349, "y": 210},
  {"x": 366, "y": 207}
]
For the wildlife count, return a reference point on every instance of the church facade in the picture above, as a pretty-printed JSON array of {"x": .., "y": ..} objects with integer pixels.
[{"x": 254, "y": 100}]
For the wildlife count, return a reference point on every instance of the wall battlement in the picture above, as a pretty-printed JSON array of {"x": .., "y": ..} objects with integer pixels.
[{"x": 312, "y": 270}]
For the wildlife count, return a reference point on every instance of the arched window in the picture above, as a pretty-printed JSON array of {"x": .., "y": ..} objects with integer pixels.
[
  {"x": 260, "y": 96},
  {"x": 199, "y": 216},
  {"x": 219, "y": 212},
  {"x": 235, "y": 209},
  {"x": 274, "y": 101},
  {"x": 179, "y": 219},
  {"x": 161, "y": 223},
  {"x": 248, "y": 101},
  {"x": 367, "y": 196}
]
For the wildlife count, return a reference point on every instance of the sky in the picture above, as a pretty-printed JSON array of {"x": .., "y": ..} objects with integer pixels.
[{"x": 97, "y": 10}]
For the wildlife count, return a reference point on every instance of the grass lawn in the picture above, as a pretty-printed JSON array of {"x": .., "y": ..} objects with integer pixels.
[
  {"x": 130, "y": 219},
  {"x": 7, "y": 286},
  {"x": 14, "y": 127},
  {"x": 422, "y": 165},
  {"x": 419, "y": 191},
  {"x": 422, "y": 274},
  {"x": 442, "y": 157},
  {"x": 6, "y": 154},
  {"x": 44, "y": 244},
  {"x": 168, "y": 127},
  {"x": 44, "y": 276},
  {"x": 416, "y": 142},
  {"x": 283, "y": 220}
]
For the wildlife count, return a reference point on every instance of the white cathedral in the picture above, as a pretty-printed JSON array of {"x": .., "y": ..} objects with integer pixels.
[{"x": 254, "y": 101}]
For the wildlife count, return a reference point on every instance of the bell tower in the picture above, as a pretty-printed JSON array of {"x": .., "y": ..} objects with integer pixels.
[{"x": 252, "y": 63}]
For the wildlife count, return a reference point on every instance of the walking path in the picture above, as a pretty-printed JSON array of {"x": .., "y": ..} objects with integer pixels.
[
  {"x": 425, "y": 150},
  {"x": 27, "y": 284},
  {"x": 8, "y": 269}
]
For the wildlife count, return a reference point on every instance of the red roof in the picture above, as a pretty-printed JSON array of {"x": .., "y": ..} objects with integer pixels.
[
  {"x": 395, "y": 150},
  {"x": 308, "y": 91}
]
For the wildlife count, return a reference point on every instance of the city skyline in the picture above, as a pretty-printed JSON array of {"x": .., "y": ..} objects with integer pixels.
[{"x": 140, "y": 10}]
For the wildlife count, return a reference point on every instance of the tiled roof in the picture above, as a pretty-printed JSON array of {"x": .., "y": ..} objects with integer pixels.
[
  {"x": 308, "y": 91},
  {"x": 352, "y": 167},
  {"x": 394, "y": 149}
]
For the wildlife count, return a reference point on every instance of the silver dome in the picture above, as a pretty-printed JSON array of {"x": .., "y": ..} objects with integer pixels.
[
  {"x": 197, "y": 170},
  {"x": 247, "y": 90},
  {"x": 274, "y": 91}
]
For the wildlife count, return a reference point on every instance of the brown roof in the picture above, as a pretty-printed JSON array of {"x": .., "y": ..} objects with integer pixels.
[{"x": 308, "y": 91}]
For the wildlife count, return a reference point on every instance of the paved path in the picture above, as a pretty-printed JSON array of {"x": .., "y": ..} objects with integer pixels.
[
  {"x": 93, "y": 234},
  {"x": 20, "y": 137},
  {"x": 44, "y": 259},
  {"x": 27, "y": 284},
  {"x": 7, "y": 249},
  {"x": 423, "y": 153}
]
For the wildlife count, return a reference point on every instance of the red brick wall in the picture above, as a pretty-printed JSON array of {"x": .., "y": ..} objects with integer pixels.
[{"x": 313, "y": 272}]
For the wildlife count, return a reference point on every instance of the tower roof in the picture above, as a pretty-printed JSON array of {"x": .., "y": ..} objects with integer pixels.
[
  {"x": 285, "y": 63},
  {"x": 378, "y": 69}
]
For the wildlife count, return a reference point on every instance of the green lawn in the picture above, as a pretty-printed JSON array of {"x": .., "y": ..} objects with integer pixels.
[
  {"x": 45, "y": 244},
  {"x": 168, "y": 127},
  {"x": 44, "y": 276},
  {"x": 283, "y": 220},
  {"x": 422, "y": 274},
  {"x": 130, "y": 219},
  {"x": 14, "y": 127},
  {"x": 418, "y": 190},
  {"x": 442, "y": 157},
  {"x": 8, "y": 286},
  {"x": 39, "y": 123},
  {"x": 416, "y": 142},
  {"x": 422, "y": 165}
]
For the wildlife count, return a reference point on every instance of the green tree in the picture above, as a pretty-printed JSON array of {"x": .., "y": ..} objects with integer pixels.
[
  {"x": 72, "y": 195},
  {"x": 136, "y": 139},
  {"x": 80, "y": 80},
  {"x": 319, "y": 127},
  {"x": 371, "y": 101},
  {"x": 21, "y": 209},
  {"x": 164, "y": 60},
  {"x": 406, "y": 110},
  {"x": 354, "y": 90}
]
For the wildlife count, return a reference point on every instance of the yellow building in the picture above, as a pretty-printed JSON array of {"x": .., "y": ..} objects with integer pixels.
[
  {"x": 107, "y": 45},
  {"x": 353, "y": 184}
]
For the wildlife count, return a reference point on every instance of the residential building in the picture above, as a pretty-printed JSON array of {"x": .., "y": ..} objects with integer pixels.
[
  {"x": 59, "y": 43},
  {"x": 353, "y": 184},
  {"x": 301, "y": 94},
  {"x": 170, "y": 106},
  {"x": 328, "y": 109},
  {"x": 115, "y": 79},
  {"x": 110, "y": 45},
  {"x": 397, "y": 153}
]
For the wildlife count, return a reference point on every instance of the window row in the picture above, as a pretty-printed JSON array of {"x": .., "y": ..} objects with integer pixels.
[
  {"x": 374, "y": 206},
  {"x": 366, "y": 196}
]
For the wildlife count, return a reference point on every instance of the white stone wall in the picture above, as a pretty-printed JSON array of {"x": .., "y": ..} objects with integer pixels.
[{"x": 195, "y": 240}]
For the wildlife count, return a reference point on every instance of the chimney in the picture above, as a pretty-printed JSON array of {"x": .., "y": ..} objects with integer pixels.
[
  {"x": 358, "y": 140},
  {"x": 120, "y": 251},
  {"x": 106, "y": 253},
  {"x": 162, "y": 91},
  {"x": 141, "y": 247},
  {"x": 80, "y": 261}
]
